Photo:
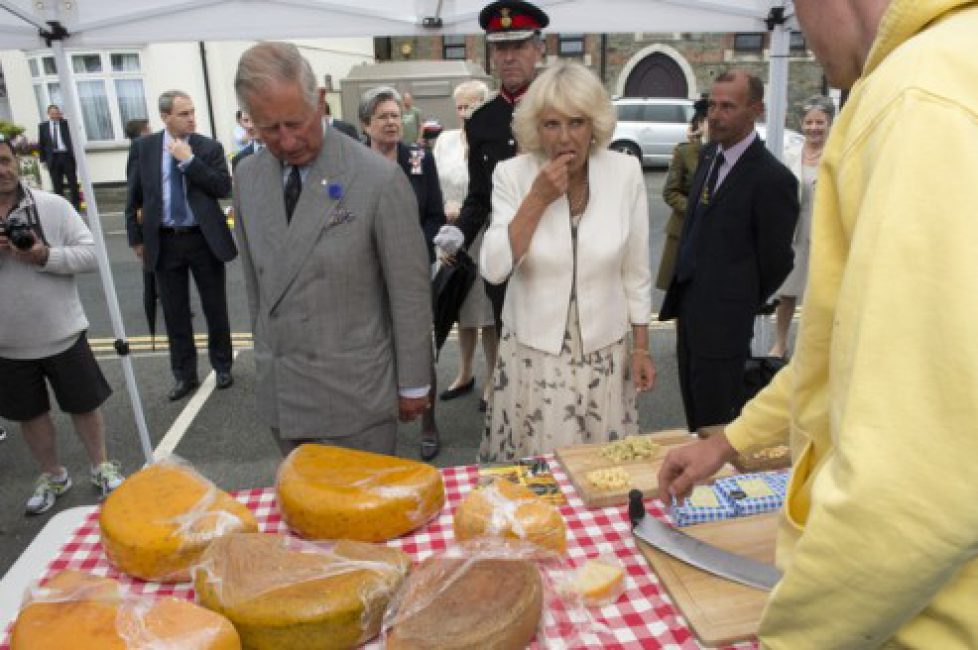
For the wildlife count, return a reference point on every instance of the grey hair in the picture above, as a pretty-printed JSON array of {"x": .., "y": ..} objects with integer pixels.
[
  {"x": 822, "y": 103},
  {"x": 272, "y": 62},
  {"x": 166, "y": 100},
  {"x": 474, "y": 88},
  {"x": 373, "y": 98}
]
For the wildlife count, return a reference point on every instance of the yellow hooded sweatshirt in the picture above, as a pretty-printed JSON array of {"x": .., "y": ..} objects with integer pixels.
[{"x": 879, "y": 535}]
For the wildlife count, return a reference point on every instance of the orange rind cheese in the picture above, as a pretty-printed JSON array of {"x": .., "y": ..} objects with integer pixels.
[
  {"x": 157, "y": 523},
  {"x": 82, "y": 612},
  {"x": 283, "y": 593},
  {"x": 335, "y": 493},
  {"x": 510, "y": 511}
]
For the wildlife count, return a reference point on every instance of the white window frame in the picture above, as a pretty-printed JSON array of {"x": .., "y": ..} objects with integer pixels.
[{"x": 107, "y": 76}]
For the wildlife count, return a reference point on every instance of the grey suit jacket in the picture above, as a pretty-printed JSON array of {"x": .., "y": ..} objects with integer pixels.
[{"x": 340, "y": 298}]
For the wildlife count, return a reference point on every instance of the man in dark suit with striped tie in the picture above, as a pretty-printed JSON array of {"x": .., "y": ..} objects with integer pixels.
[
  {"x": 176, "y": 177},
  {"x": 54, "y": 140},
  {"x": 734, "y": 253}
]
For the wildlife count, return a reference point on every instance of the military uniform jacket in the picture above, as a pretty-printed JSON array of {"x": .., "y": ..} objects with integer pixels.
[{"x": 490, "y": 136}]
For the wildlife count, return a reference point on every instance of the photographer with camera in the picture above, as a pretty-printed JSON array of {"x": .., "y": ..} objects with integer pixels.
[{"x": 43, "y": 244}]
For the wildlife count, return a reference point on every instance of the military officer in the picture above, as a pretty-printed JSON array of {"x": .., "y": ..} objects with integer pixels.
[{"x": 515, "y": 48}]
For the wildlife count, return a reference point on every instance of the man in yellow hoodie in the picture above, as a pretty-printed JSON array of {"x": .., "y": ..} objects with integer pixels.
[{"x": 879, "y": 535}]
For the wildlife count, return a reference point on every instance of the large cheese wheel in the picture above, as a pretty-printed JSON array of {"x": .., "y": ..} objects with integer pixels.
[
  {"x": 480, "y": 604},
  {"x": 278, "y": 597},
  {"x": 510, "y": 511},
  {"x": 334, "y": 493},
  {"x": 82, "y": 612},
  {"x": 158, "y": 522}
]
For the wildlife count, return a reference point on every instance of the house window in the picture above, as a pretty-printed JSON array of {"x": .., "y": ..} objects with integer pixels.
[
  {"x": 110, "y": 90},
  {"x": 453, "y": 47},
  {"x": 751, "y": 42},
  {"x": 570, "y": 45},
  {"x": 797, "y": 41}
]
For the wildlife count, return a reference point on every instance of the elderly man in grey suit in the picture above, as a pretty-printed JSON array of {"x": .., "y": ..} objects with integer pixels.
[{"x": 335, "y": 266}]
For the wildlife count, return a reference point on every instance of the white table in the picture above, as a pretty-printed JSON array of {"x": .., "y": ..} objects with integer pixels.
[{"x": 31, "y": 563}]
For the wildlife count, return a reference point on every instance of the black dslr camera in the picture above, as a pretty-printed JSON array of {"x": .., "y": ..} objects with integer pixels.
[{"x": 19, "y": 232}]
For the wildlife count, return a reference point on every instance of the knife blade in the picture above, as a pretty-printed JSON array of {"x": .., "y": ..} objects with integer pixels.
[{"x": 683, "y": 547}]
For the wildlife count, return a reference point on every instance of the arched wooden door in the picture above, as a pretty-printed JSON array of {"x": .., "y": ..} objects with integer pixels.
[{"x": 657, "y": 75}]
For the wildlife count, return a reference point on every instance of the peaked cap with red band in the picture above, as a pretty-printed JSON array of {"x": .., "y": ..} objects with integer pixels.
[{"x": 511, "y": 20}]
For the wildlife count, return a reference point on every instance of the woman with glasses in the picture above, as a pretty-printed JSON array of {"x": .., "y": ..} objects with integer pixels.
[{"x": 380, "y": 114}]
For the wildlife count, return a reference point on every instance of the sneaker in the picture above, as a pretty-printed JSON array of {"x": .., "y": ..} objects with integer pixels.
[
  {"x": 107, "y": 477},
  {"x": 46, "y": 490}
]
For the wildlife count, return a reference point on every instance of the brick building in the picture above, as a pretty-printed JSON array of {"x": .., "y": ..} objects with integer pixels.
[{"x": 676, "y": 64}]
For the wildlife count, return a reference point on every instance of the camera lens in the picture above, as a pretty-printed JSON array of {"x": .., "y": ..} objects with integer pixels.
[{"x": 22, "y": 240}]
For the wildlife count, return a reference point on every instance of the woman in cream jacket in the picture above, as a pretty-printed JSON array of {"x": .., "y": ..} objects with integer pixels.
[{"x": 570, "y": 230}]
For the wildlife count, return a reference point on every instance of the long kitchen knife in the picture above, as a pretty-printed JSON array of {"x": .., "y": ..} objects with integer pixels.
[{"x": 704, "y": 556}]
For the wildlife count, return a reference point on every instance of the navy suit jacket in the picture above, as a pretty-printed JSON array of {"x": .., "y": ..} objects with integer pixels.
[
  {"x": 206, "y": 180},
  {"x": 46, "y": 143},
  {"x": 431, "y": 206},
  {"x": 742, "y": 251}
]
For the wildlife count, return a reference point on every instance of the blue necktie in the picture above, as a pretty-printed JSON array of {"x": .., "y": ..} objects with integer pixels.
[
  {"x": 178, "y": 200},
  {"x": 686, "y": 262}
]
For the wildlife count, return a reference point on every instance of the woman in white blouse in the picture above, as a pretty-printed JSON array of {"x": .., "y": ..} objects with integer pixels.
[
  {"x": 570, "y": 229},
  {"x": 816, "y": 121},
  {"x": 452, "y": 159}
]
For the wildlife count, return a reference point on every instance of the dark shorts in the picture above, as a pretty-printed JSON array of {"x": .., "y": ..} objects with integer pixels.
[{"x": 74, "y": 375}]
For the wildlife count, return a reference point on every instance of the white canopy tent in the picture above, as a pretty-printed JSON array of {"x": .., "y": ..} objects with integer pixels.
[{"x": 36, "y": 24}]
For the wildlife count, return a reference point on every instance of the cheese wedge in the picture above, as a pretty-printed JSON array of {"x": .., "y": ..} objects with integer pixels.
[
  {"x": 334, "y": 493},
  {"x": 598, "y": 581},
  {"x": 82, "y": 612},
  {"x": 509, "y": 510},
  {"x": 282, "y": 597},
  {"x": 157, "y": 523}
]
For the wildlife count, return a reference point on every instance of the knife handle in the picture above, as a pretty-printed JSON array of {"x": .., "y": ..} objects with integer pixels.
[{"x": 636, "y": 507}]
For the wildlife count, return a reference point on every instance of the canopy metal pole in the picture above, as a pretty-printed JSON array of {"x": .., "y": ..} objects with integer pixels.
[
  {"x": 70, "y": 95},
  {"x": 778, "y": 81}
]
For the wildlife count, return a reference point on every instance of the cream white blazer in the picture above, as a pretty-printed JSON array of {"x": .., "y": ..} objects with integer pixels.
[{"x": 614, "y": 278}]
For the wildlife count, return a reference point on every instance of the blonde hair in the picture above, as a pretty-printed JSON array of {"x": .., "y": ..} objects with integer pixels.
[{"x": 573, "y": 90}]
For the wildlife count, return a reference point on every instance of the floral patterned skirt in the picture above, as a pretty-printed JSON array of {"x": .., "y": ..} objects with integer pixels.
[{"x": 540, "y": 401}]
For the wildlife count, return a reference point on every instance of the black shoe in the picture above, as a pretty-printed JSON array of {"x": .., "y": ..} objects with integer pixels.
[
  {"x": 458, "y": 391},
  {"x": 224, "y": 380},
  {"x": 182, "y": 388},
  {"x": 430, "y": 447},
  {"x": 483, "y": 406}
]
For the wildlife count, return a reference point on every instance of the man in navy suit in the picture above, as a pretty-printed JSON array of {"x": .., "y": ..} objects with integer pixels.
[
  {"x": 57, "y": 154},
  {"x": 176, "y": 177},
  {"x": 254, "y": 144},
  {"x": 734, "y": 252}
]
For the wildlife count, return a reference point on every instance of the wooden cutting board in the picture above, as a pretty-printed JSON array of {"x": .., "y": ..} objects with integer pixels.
[
  {"x": 718, "y": 611},
  {"x": 578, "y": 460}
]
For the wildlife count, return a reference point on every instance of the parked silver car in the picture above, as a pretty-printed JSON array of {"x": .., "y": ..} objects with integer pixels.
[{"x": 650, "y": 128}]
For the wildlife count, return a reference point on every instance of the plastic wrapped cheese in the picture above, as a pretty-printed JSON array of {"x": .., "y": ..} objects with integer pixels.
[
  {"x": 598, "y": 581},
  {"x": 284, "y": 593},
  {"x": 82, "y": 612},
  {"x": 509, "y": 510},
  {"x": 334, "y": 493},
  {"x": 468, "y": 604},
  {"x": 157, "y": 523}
]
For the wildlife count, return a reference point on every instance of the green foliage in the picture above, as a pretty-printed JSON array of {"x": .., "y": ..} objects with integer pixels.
[{"x": 10, "y": 130}]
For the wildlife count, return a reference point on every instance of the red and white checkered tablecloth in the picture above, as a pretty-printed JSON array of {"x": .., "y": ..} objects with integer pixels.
[{"x": 643, "y": 617}]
